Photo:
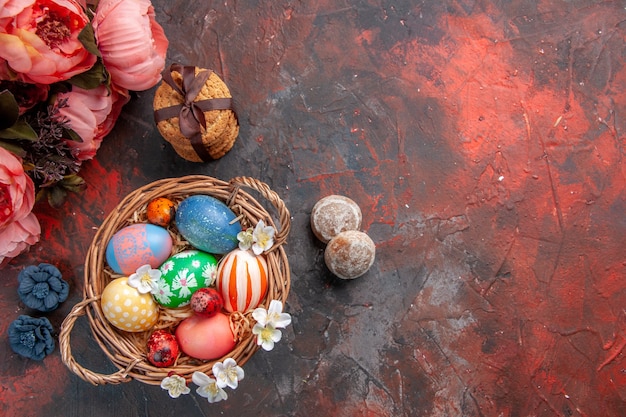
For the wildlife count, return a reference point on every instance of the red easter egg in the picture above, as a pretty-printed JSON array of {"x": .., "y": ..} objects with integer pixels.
[
  {"x": 205, "y": 337},
  {"x": 242, "y": 280},
  {"x": 207, "y": 301},
  {"x": 163, "y": 349}
]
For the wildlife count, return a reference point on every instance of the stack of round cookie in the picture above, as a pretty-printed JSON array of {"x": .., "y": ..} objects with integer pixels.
[
  {"x": 335, "y": 220},
  {"x": 217, "y": 136}
]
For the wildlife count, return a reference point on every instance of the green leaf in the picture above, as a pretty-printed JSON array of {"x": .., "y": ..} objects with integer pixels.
[
  {"x": 73, "y": 183},
  {"x": 41, "y": 194},
  {"x": 19, "y": 130},
  {"x": 57, "y": 193},
  {"x": 72, "y": 135},
  {"x": 91, "y": 78},
  {"x": 9, "y": 109},
  {"x": 56, "y": 196},
  {"x": 88, "y": 39},
  {"x": 17, "y": 150}
]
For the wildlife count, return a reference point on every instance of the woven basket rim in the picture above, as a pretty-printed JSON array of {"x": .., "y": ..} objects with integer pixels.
[{"x": 126, "y": 351}]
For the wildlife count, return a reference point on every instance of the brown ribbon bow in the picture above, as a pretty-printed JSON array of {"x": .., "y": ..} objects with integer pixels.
[{"x": 191, "y": 113}]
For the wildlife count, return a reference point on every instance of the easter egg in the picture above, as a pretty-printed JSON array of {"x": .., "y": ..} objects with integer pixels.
[
  {"x": 126, "y": 308},
  {"x": 207, "y": 301},
  {"x": 136, "y": 245},
  {"x": 163, "y": 349},
  {"x": 204, "y": 337},
  {"x": 160, "y": 211},
  {"x": 242, "y": 280},
  {"x": 208, "y": 224},
  {"x": 182, "y": 274}
]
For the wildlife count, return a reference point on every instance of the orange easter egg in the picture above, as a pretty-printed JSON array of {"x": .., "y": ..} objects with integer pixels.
[{"x": 160, "y": 211}]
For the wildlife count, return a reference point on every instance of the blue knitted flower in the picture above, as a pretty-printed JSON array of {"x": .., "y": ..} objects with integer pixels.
[
  {"x": 31, "y": 337},
  {"x": 42, "y": 287}
]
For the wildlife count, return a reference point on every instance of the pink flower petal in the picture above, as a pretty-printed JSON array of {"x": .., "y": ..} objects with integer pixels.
[{"x": 132, "y": 43}]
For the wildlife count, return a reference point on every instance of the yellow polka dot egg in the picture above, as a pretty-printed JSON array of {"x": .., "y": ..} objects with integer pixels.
[{"x": 126, "y": 308}]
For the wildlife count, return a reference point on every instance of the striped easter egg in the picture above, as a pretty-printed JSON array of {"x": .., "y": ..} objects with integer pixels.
[{"x": 242, "y": 280}]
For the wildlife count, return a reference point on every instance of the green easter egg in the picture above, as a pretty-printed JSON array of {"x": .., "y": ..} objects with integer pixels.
[{"x": 182, "y": 274}]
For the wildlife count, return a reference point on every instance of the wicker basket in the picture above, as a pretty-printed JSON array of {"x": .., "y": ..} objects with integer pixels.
[{"x": 127, "y": 351}]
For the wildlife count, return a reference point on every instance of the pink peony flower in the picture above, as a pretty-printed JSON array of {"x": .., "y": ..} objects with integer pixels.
[
  {"x": 19, "y": 228},
  {"x": 92, "y": 114},
  {"x": 132, "y": 43},
  {"x": 10, "y": 8},
  {"x": 39, "y": 40}
]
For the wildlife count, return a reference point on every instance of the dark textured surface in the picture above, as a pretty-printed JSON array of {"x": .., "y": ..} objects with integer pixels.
[{"x": 484, "y": 142}]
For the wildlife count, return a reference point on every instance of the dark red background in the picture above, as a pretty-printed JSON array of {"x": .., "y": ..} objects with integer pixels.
[{"x": 484, "y": 142}]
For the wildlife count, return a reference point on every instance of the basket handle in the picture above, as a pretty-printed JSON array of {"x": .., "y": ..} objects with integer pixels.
[
  {"x": 66, "y": 351},
  {"x": 272, "y": 197}
]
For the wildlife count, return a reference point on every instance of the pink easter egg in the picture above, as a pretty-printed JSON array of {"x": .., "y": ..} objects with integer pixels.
[{"x": 206, "y": 338}]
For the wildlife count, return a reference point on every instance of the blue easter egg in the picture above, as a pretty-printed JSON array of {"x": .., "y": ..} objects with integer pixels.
[
  {"x": 137, "y": 245},
  {"x": 207, "y": 224}
]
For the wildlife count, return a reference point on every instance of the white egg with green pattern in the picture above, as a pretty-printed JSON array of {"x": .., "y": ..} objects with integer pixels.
[{"x": 183, "y": 274}]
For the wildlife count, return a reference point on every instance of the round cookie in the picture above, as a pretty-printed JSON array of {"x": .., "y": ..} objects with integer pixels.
[
  {"x": 350, "y": 254},
  {"x": 334, "y": 214},
  {"x": 222, "y": 127}
]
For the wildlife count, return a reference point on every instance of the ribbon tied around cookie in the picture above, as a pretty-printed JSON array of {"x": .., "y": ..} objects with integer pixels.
[{"x": 190, "y": 113}]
